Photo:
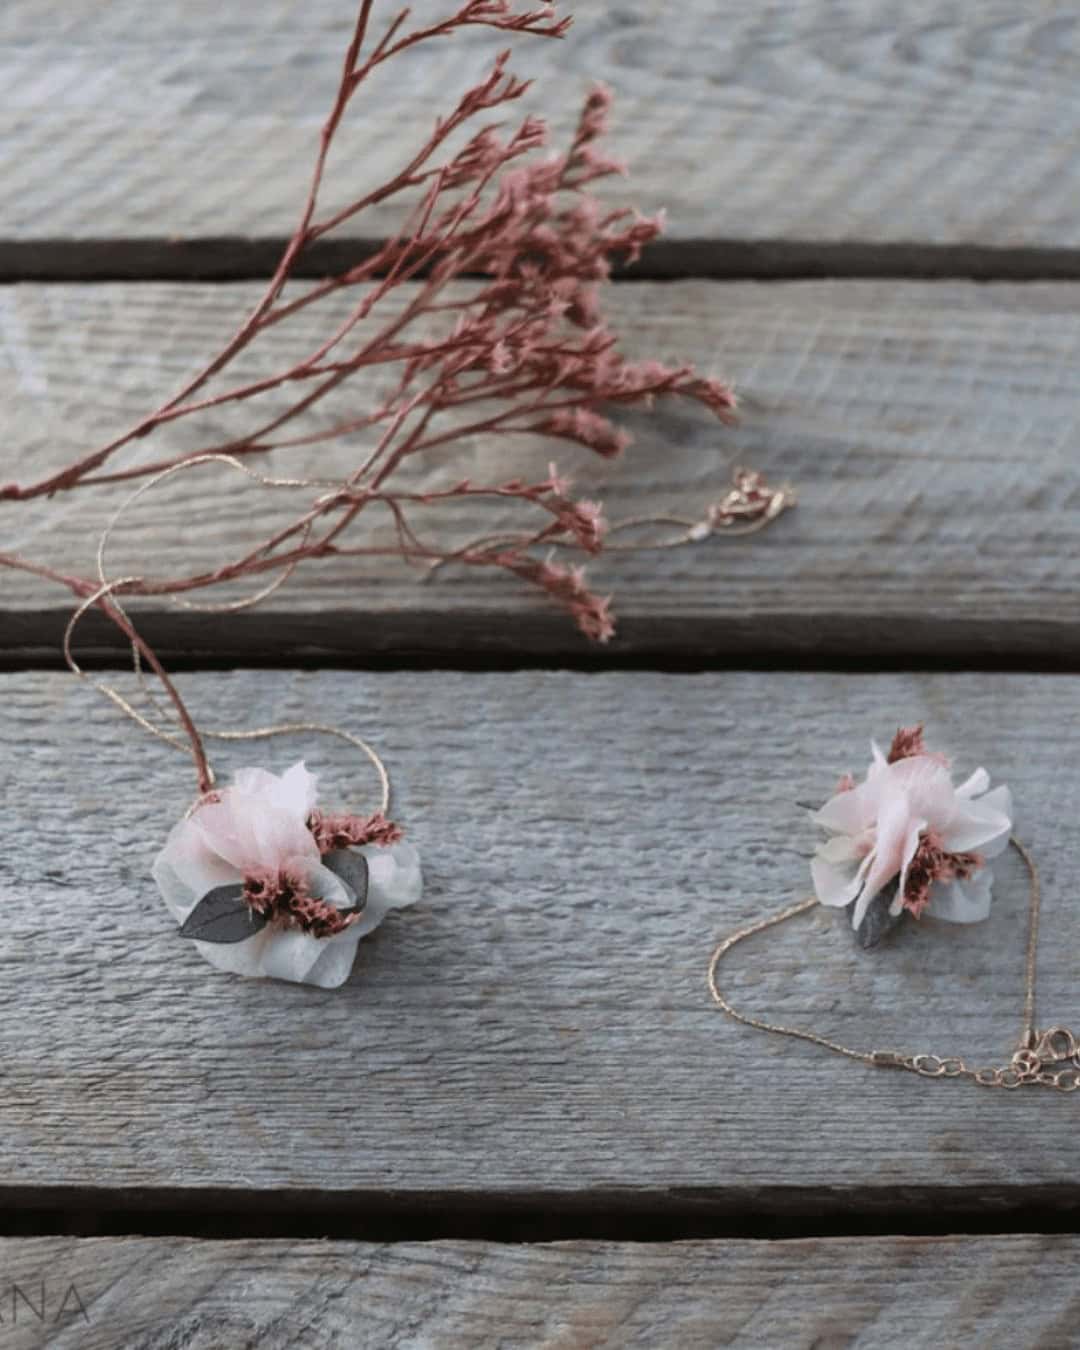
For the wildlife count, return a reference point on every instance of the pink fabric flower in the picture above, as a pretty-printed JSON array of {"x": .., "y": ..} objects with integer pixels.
[
  {"x": 259, "y": 827},
  {"x": 908, "y": 811}
]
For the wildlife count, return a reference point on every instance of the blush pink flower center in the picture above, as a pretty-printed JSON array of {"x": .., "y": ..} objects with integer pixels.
[
  {"x": 283, "y": 898},
  {"x": 933, "y": 863}
]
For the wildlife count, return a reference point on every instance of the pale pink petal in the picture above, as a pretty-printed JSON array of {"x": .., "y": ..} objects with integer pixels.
[
  {"x": 297, "y": 791},
  {"x": 850, "y": 812},
  {"x": 249, "y": 834},
  {"x": 189, "y": 869},
  {"x": 890, "y": 852},
  {"x": 927, "y": 785},
  {"x": 280, "y": 836},
  {"x": 911, "y": 845},
  {"x": 294, "y": 791},
  {"x": 253, "y": 783}
]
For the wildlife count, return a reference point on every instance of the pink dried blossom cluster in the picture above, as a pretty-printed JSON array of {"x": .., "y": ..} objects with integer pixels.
[
  {"x": 932, "y": 862},
  {"x": 282, "y": 898},
  {"x": 909, "y": 742},
  {"x": 333, "y": 832}
]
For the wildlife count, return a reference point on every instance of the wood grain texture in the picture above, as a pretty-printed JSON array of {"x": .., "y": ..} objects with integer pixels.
[
  {"x": 930, "y": 431},
  {"x": 880, "y": 1294},
  {"x": 536, "y": 1035},
  {"x": 939, "y": 122}
]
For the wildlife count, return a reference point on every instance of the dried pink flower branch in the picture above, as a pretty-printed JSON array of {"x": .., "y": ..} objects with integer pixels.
[{"x": 482, "y": 315}]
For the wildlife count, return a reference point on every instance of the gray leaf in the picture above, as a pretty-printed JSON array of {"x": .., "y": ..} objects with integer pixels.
[
  {"x": 222, "y": 915},
  {"x": 352, "y": 868},
  {"x": 877, "y": 922}
]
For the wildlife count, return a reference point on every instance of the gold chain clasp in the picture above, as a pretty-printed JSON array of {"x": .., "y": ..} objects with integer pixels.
[
  {"x": 1055, "y": 1044},
  {"x": 1033, "y": 1064}
]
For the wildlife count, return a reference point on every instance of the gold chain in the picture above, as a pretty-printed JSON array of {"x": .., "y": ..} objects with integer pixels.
[{"x": 1031, "y": 1064}]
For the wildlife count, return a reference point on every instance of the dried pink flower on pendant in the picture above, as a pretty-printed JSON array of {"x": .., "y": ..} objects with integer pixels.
[
  {"x": 344, "y": 831},
  {"x": 907, "y": 823}
]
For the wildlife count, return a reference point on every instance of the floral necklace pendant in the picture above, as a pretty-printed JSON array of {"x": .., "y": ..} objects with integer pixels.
[
  {"x": 265, "y": 884},
  {"x": 907, "y": 841}
]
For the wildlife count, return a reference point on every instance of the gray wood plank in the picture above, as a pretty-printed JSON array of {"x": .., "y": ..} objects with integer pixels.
[
  {"x": 877, "y": 1294},
  {"x": 926, "y": 122},
  {"x": 929, "y": 430},
  {"x": 536, "y": 1036}
]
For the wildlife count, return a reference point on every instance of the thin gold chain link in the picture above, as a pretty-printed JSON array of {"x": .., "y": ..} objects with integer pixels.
[{"x": 1031, "y": 1063}]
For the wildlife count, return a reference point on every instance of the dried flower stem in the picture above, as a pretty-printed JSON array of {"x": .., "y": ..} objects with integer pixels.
[{"x": 518, "y": 347}]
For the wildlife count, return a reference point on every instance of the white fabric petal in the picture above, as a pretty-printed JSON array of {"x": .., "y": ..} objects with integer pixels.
[
  {"x": 975, "y": 785},
  {"x": 335, "y": 959},
  {"x": 1001, "y": 800},
  {"x": 328, "y": 886},
  {"x": 837, "y": 884},
  {"x": 297, "y": 956},
  {"x": 962, "y": 901},
  {"x": 840, "y": 848},
  {"x": 394, "y": 881},
  {"x": 979, "y": 824}
]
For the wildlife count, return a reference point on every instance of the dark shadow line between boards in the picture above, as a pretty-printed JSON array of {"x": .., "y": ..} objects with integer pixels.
[
  {"x": 366, "y": 637},
  {"x": 670, "y": 663},
  {"x": 237, "y": 258},
  {"x": 777, "y": 1215}
]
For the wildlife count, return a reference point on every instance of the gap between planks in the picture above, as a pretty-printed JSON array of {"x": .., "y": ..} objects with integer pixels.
[
  {"x": 481, "y": 644},
  {"x": 240, "y": 258},
  {"x": 777, "y": 1214}
]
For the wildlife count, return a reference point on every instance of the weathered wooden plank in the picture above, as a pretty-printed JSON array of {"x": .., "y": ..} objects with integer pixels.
[
  {"x": 929, "y": 430},
  {"x": 879, "y": 1294},
  {"x": 932, "y": 122},
  {"x": 536, "y": 1036}
]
